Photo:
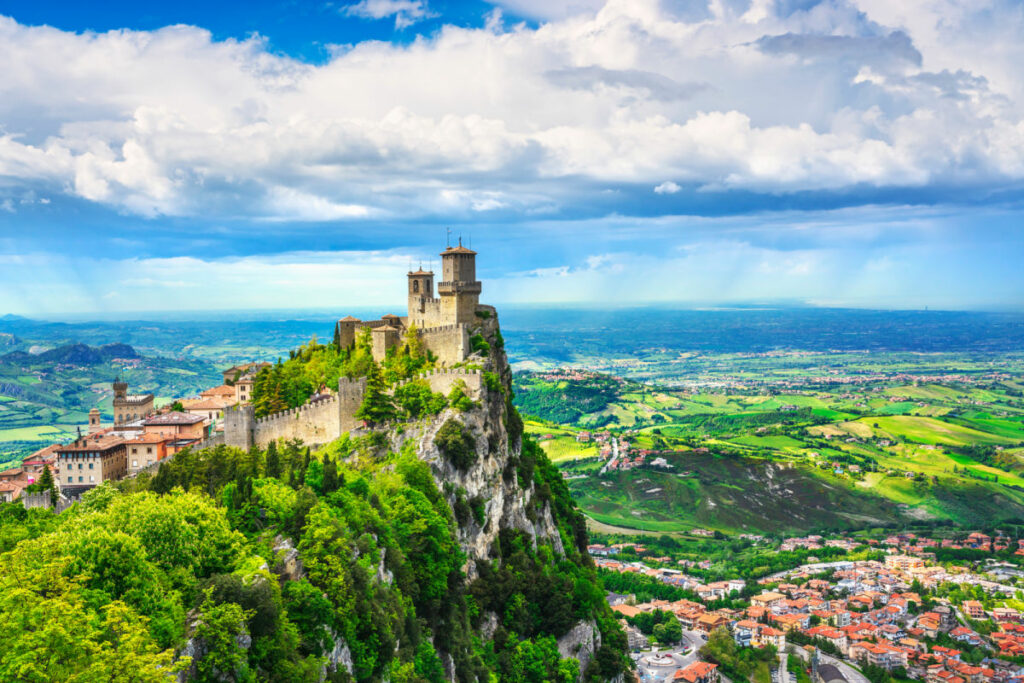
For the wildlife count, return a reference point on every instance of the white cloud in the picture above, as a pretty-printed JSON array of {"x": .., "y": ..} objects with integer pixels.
[
  {"x": 730, "y": 96},
  {"x": 405, "y": 12}
]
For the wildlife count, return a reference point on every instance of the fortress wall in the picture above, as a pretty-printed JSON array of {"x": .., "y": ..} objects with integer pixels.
[
  {"x": 450, "y": 343},
  {"x": 442, "y": 381},
  {"x": 314, "y": 423},
  {"x": 430, "y": 316}
]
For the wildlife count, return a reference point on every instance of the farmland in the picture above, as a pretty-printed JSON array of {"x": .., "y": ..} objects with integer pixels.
[{"x": 790, "y": 441}]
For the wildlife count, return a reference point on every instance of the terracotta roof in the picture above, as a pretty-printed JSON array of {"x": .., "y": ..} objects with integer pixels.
[
  {"x": 350, "y": 319},
  {"x": 93, "y": 442},
  {"x": 421, "y": 272},
  {"x": 222, "y": 390},
  {"x": 208, "y": 404},
  {"x": 457, "y": 250}
]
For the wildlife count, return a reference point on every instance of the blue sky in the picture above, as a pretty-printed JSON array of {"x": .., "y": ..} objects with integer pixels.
[{"x": 291, "y": 154}]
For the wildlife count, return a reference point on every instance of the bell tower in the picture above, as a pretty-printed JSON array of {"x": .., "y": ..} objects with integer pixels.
[
  {"x": 421, "y": 295},
  {"x": 459, "y": 288}
]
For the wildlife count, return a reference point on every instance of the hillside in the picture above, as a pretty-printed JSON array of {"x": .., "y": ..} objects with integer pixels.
[
  {"x": 791, "y": 441},
  {"x": 438, "y": 545},
  {"x": 43, "y": 397}
]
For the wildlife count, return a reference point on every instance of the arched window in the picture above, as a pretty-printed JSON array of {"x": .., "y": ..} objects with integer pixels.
[{"x": 415, "y": 286}]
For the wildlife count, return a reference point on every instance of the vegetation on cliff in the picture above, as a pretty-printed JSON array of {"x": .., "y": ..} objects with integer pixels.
[
  {"x": 290, "y": 383},
  {"x": 348, "y": 563}
]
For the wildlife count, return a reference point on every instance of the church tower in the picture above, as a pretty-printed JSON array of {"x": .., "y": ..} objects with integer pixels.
[
  {"x": 459, "y": 288},
  {"x": 422, "y": 305},
  {"x": 94, "y": 421}
]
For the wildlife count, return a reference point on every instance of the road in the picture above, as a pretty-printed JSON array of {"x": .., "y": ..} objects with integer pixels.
[
  {"x": 615, "y": 455},
  {"x": 655, "y": 667},
  {"x": 852, "y": 675}
]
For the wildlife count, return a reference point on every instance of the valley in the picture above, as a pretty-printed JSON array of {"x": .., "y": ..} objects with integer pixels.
[{"x": 788, "y": 441}]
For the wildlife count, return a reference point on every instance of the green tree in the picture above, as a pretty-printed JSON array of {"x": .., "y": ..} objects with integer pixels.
[
  {"x": 272, "y": 465},
  {"x": 46, "y": 483},
  {"x": 221, "y": 629},
  {"x": 377, "y": 406}
]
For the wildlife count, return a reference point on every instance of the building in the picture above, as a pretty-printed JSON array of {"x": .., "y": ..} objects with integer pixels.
[
  {"x": 181, "y": 426},
  {"x": 440, "y": 322},
  {"x": 89, "y": 461},
  {"x": 44, "y": 457},
  {"x": 127, "y": 407},
  {"x": 210, "y": 409},
  {"x": 698, "y": 672},
  {"x": 974, "y": 609},
  {"x": 145, "y": 450},
  {"x": 903, "y": 562},
  {"x": 12, "y": 482}
]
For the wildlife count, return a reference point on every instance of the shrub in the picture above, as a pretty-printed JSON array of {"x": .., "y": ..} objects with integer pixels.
[
  {"x": 459, "y": 399},
  {"x": 456, "y": 444},
  {"x": 416, "y": 399},
  {"x": 493, "y": 382},
  {"x": 479, "y": 344}
]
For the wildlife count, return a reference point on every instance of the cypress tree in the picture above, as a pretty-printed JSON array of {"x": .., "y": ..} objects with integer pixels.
[
  {"x": 331, "y": 482},
  {"x": 46, "y": 483},
  {"x": 376, "y": 406},
  {"x": 273, "y": 464}
]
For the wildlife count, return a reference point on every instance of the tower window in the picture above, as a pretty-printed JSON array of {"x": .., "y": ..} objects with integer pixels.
[{"x": 415, "y": 286}]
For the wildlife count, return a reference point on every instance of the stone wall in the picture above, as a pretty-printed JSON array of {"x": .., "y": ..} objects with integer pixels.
[
  {"x": 327, "y": 419},
  {"x": 442, "y": 381},
  {"x": 449, "y": 343},
  {"x": 314, "y": 423}
]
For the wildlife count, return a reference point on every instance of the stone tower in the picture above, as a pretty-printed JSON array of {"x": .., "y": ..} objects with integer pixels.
[
  {"x": 120, "y": 389},
  {"x": 94, "y": 421},
  {"x": 421, "y": 298},
  {"x": 459, "y": 288}
]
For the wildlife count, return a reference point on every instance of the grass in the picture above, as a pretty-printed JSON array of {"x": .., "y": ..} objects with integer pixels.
[
  {"x": 929, "y": 430},
  {"x": 36, "y": 433}
]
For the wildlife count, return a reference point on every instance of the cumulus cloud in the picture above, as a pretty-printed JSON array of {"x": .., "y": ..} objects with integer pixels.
[
  {"x": 667, "y": 187},
  {"x": 847, "y": 97},
  {"x": 405, "y": 12}
]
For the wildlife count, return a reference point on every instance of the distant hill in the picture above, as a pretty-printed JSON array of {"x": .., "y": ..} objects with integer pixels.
[{"x": 73, "y": 354}]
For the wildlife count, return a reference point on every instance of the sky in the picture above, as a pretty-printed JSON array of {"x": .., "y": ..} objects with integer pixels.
[{"x": 229, "y": 156}]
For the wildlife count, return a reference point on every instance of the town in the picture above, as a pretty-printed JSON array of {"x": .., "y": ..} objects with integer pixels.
[{"x": 901, "y": 614}]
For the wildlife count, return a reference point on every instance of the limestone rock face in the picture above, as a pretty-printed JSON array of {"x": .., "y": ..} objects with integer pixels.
[
  {"x": 492, "y": 478},
  {"x": 580, "y": 643},
  {"x": 289, "y": 565}
]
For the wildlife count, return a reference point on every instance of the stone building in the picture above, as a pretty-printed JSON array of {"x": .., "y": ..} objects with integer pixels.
[
  {"x": 90, "y": 460},
  {"x": 440, "y": 321},
  {"x": 130, "y": 407}
]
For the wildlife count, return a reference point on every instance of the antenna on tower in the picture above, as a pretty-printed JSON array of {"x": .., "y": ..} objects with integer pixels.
[{"x": 448, "y": 238}]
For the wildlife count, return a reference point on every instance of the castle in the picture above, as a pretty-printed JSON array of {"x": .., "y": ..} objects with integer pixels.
[
  {"x": 127, "y": 407},
  {"x": 442, "y": 323}
]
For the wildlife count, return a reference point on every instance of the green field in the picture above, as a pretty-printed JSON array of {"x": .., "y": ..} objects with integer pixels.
[{"x": 913, "y": 451}]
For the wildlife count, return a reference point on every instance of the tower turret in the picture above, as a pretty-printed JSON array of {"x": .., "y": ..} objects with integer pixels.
[
  {"x": 459, "y": 288},
  {"x": 421, "y": 297},
  {"x": 94, "y": 421}
]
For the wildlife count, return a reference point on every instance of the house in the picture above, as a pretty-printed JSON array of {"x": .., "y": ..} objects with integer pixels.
[
  {"x": 177, "y": 425},
  {"x": 973, "y": 609},
  {"x": 768, "y": 599},
  {"x": 628, "y": 611},
  {"x": 698, "y": 672},
  {"x": 709, "y": 621},
  {"x": 146, "y": 449},
  {"x": 832, "y": 635}
]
